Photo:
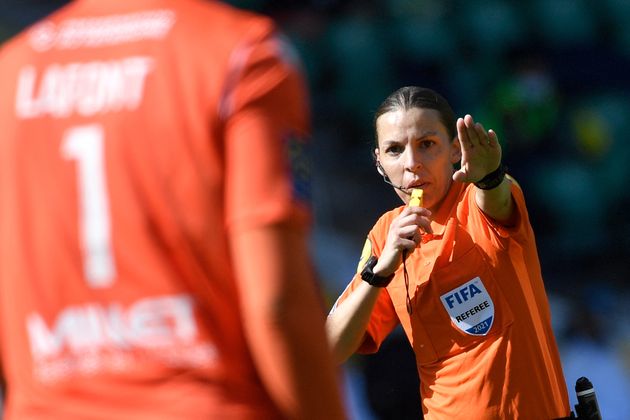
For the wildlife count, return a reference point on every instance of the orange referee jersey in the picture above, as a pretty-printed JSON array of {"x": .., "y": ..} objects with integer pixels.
[
  {"x": 126, "y": 156},
  {"x": 480, "y": 322}
]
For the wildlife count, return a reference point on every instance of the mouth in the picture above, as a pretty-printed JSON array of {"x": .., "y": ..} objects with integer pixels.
[{"x": 415, "y": 185}]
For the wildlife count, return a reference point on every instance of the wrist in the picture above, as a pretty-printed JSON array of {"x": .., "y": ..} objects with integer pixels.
[
  {"x": 493, "y": 179},
  {"x": 370, "y": 276}
]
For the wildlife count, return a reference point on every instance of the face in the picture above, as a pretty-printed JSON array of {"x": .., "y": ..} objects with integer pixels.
[{"x": 415, "y": 151}]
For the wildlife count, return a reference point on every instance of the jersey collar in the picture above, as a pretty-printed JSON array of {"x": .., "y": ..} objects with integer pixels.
[{"x": 446, "y": 210}]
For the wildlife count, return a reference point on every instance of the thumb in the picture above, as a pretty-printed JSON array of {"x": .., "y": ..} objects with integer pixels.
[{"x": 459, "y": 176}]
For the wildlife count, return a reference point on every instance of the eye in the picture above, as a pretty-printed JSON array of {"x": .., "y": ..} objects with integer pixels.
[
  {"x": 394, "y": 149},
  {"x": 426, "y": 143}
]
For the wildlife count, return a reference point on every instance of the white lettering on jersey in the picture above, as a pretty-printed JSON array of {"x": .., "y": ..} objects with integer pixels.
[
  {"x": 470, "y": 307},
  {"x": 93, "y": 327},
  {"x": 85, "y": 89},
  {"x": 101, "y": 31}
]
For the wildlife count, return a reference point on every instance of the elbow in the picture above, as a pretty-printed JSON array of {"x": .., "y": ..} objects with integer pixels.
[{"x": 341, "y": 345}]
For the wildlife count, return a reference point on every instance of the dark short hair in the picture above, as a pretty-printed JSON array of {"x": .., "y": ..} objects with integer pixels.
[{"x": 410, "y": 97}]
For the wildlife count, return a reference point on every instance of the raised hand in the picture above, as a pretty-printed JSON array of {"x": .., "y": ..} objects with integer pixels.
[{"x": 481, "y": 151}]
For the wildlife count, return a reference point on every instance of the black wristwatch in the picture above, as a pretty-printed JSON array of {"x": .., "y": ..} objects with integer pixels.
[
  {"x": 367, "y": 274},
  {"x": 493, "y": 179}
]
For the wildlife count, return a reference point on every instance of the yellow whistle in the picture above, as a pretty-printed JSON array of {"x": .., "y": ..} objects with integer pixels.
[{"x": 416, "y": 197}]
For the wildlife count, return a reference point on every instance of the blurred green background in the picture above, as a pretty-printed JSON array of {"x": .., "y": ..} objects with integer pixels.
[{"x": 551, "y": 77}]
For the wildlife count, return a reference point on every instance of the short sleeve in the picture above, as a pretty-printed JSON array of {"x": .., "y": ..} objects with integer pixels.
[
  {"x": 266, "y": 115},
  {"x": 383, "y": 318},
  {"x": 521, "y": 227}
]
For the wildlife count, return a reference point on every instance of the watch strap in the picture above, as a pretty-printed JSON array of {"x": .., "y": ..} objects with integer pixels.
[
  {"x": 493, "y": 179},
  {"x": 367, "y": 274}
]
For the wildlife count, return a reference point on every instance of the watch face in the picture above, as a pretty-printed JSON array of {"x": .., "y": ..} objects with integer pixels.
[{"x": 367, "y": 273}]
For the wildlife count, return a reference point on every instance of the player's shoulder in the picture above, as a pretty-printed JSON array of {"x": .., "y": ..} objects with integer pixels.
[
  {"x": 222, "y": 18},
  {"x": 33, "y": 36}
]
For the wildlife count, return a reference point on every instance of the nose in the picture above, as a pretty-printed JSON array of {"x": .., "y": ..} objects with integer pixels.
[{"x": 412, "y": 159}]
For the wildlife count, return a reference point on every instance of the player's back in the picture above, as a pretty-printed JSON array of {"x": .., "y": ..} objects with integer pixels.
[{"x": 116, "y": 291}]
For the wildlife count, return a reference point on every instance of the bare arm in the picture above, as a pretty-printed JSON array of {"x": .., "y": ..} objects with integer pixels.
[
  {"x": 284, "y": 322},
  {"x": 346, "y": 325},
  {"x": 497, "y": 203}
]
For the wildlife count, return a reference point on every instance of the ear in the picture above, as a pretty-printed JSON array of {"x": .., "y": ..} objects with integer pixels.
[
  {"x": 379, "y": 168},
  {"x": 456, "y": 150}
]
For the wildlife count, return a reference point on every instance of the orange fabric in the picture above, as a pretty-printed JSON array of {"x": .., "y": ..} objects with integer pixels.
[
  {"x": 514, "y": 370},
  {"x": 280, "y": 310},
  {"x": 136, "y": 135}
]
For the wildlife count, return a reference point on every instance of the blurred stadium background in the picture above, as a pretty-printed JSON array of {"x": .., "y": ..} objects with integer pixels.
[{"x": 552, "y": 77}]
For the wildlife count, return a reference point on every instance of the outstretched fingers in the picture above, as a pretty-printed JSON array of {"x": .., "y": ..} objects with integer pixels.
[
  {"x": 475, "y": 131},
  {"x": 493, "y": 140},
  {"x": 462, "y": 134},
  {"x": 481, "y": 150},
  {"x": 470, "y": 133}
]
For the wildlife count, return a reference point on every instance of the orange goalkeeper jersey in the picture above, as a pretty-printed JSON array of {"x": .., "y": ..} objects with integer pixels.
[{"x": 134, "y": 136}]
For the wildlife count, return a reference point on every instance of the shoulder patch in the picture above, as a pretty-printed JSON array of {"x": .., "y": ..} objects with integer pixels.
[
  {"x": 299, "y": 161},
  {"x": 365, "y": 254}
]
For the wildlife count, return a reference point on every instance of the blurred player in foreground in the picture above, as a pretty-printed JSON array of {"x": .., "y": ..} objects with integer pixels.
[
  {"x": 457, "y": 267},
  {"x": 153, "y": 219}
]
